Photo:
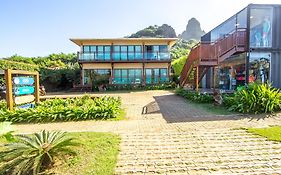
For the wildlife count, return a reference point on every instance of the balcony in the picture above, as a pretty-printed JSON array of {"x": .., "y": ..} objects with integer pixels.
[{"x": 124, "y": 57}]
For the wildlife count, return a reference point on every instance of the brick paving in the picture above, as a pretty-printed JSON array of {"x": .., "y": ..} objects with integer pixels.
[{"x": 174, "y": 137}]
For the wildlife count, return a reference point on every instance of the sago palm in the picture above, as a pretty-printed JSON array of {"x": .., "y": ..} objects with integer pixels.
[{"x": 33, "y": 154}]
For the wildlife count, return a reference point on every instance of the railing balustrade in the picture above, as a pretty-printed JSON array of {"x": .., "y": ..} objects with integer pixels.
[{"x": 123, "y": 56}]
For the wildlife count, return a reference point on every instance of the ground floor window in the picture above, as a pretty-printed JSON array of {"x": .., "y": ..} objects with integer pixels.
[
  {"x": 259, "y": 67},
  {"x": 92, "y": 75},
  {"x": 155, "y": 76},
  {"x": 231, "y": 72},
  {"x": 127, "y": 76}
]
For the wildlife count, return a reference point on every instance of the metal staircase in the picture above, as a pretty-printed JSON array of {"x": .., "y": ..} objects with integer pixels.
[{"x": 203, "y": 56}]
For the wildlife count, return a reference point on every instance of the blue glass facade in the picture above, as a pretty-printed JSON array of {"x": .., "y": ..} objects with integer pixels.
[{"x": 124, "y": 53}]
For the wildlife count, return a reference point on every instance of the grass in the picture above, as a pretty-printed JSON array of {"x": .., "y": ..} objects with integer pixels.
[
  {"x": 97, "y": 154},
  {"x": 271, "y": 133},
  {"x": 210, "y": 108}
]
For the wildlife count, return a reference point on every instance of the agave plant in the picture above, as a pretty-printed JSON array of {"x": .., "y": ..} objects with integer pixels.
[{"x": 34, "y": 154}]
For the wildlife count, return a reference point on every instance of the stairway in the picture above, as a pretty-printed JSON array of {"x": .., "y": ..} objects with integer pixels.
[{"x": 203, "y": 56}]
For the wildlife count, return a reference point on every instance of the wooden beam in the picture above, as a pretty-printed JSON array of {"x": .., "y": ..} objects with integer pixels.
[
  {"x": 37, "y": 93},
  {"x": 23, "y": 72},
  {"x": 9, "y": 89},
  {"x": 197, "y": 78}
]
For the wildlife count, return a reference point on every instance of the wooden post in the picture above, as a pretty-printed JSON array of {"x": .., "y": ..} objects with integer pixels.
[
  {"x": 214, "y": 78},
  {"x": 9, "y": 89},
  {"x": 197, "y": 78},
  {"x": 37, "y": 96}
]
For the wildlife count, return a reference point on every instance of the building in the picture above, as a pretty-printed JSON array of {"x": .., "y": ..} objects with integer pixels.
[
  {"x": 243, "y": 49},
  {"x": 125, "y": 60}
]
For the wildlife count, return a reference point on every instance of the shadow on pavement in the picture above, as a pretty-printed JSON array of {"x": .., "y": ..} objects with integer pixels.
[{"x": 175, "y": 109}]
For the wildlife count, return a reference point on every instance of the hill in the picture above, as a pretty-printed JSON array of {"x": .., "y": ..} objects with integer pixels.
[
  {"x": 193, "y": 30},
  {"x": 164, "y": 31}
]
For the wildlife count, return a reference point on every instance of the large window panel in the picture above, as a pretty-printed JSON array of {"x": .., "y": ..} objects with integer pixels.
[
  {"x": 124, "y": 55},
  {"x": 131, "y": 52},
  {"x": 116, "y": 53},
  {"x": 259, "y": 67},
  {"x": 86, "y": 49},
  {"x": 242, "y": 19},
  {"x": 138, "y": 52},
  {"x": 261, "y": 27},
  {"x": 107, "y": 52}
]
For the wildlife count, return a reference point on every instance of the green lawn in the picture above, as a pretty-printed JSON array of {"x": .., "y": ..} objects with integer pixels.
[
  {"x": 271, "y": 133},
  {"x": 97, "y": 154}
]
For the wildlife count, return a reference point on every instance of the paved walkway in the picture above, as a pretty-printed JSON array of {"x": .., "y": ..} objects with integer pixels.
[{"x": 175, "y": 137}]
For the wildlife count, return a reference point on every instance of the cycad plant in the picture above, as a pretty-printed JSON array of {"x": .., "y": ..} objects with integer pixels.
[{"x": 33, "y": 154}]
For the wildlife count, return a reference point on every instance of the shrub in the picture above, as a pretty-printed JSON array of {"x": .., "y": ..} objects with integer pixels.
[
  {"x": 72, "y": 109},
  {"x": 6, "y": 131},
  {"x": 256, "y": 98},
  {"x": 194, "y": 96},
  {"x": 33, "y": 154},
  {"x": 164, "y": 86}
]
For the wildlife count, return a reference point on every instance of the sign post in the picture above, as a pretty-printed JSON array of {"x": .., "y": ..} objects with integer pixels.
[{"x": 22, "y": 87}]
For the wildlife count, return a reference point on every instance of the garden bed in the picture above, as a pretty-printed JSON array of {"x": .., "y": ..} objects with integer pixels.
[{"x": 71, "y": 109}]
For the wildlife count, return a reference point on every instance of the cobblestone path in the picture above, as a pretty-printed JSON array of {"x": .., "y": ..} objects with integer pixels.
[{"x": 176, "y": 137}]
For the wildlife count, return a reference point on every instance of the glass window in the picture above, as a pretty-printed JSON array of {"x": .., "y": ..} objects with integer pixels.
[
  {"x": 224, "y": 29},
  {"x": 155, "y": 48},
  {"x": 242, "y": 19},
  {"x": 131, "y": 48},
  {"x": 116, "y": 53},
  {"x": 117, "y": 73},
  {"x": 148, "y": 75},
  {"x": 93, "y": 49},
  {"x": 123, "y": 48},
  {"x": 107, "y": 52},
  {"x": 127, "y": 76},
  {"x": 86, "y": 49},
  {"x": 86, "y": 76},
  {"x": 131, "y": 54},
  {"x": 261, "y": 27},
  {"x": 259, "y": 68},
  {"x": 100, "y": 48},
  {"x": 107, "y": 48},
  {"x": 138, "y": 48},
  {"x": 116, "y": 48},
  {"x": 138, "y": 52},
  {"x": 163, "y": 48},
  {"x": 124, "y": 53}
]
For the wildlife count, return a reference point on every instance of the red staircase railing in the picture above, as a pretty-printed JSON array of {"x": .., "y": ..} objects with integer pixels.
[{"x": 210, "y": 54}]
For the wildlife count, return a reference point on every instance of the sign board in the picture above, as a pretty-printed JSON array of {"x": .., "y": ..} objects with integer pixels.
[
  {"x": 24, "y": 90},
  {"x": 23, "y": 80},
  {"x": 26, "y": 106},
  {"x": 24, "y": 99}
]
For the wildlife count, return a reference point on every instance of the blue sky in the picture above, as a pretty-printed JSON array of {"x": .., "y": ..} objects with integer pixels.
[{"x": 42, "y": 27}]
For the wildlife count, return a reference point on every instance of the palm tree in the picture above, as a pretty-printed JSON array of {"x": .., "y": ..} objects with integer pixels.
[{"x": 33, "y": 154}]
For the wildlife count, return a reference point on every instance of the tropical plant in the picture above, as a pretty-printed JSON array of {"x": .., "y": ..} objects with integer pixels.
[
  {"x": 34, "y": 154},
  {"x": 256, "y": 98},
  {"x": 6, "y": 131}
]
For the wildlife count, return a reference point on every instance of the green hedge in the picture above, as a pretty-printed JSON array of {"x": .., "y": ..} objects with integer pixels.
[
  {"x": 7, "y": 64},
  {"x": 74, "y": 109},
  {"x": 164, "y": 86},
  {"x": 194, "y": 96}
]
